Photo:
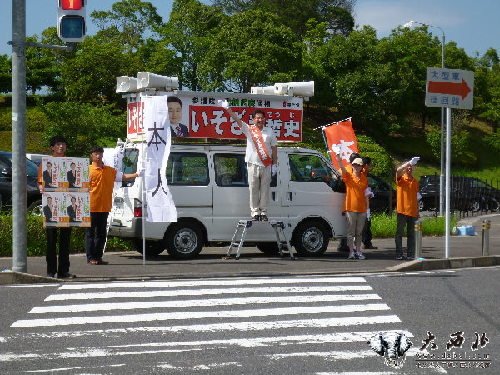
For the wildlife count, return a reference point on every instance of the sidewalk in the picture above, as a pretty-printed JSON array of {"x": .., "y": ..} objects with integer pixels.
[{"x": 465, "y": 251}]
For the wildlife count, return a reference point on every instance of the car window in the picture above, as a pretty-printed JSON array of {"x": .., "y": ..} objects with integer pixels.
[
  {"x": 187, "y": 168},
  {"x": 313, "y": 169},
  {"x": 230, "y": 170}
]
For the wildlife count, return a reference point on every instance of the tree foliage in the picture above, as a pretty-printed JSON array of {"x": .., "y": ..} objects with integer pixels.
[{"x": 84, "y": 125}]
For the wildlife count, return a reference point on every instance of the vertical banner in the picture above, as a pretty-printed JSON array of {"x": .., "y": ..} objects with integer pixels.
[
  {"x": 160, "y": 205},
  {"x": 341, "y": 134}
]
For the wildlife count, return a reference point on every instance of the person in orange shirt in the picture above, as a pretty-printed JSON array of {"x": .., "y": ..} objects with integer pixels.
[
  {"x": 406, "y": 208},
  {"x": 101, "y": 181},
  {"x": 355, "y": 204}
]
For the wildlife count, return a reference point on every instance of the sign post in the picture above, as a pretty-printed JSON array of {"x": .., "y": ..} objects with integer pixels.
[{"x": 449, "y": 88}]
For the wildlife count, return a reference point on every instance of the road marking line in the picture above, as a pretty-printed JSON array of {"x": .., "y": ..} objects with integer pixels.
[
  {"x": 184, "y": 315},
  {"x": 200, "y": 292},
  {"x": 202, "y": 303},
  {"x": 216, "y": 282}
]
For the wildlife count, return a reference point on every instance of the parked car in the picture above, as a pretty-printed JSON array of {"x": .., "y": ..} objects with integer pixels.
[
  {"x": 385, "y": 196},
  {"x": 466, "y": 194},
  {"x": 34, "y": 197}
]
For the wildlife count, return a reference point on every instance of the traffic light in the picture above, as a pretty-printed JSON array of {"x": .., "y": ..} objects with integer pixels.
[{"x": 71, "y": 20}]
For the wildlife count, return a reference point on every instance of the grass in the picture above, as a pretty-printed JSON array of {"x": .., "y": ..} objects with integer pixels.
[{"x": 384, "y": 225}]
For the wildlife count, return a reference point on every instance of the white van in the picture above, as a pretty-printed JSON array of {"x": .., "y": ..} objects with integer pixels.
[{"x": 209, "y": 186}]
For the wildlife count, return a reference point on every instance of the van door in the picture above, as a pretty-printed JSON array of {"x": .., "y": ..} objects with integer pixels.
[
  {"x": 231, "y": 199},
  {"x": 312, "y": 190}
]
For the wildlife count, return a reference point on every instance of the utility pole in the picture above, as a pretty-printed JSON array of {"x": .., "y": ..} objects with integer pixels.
[{"x": 19, "y": 209}]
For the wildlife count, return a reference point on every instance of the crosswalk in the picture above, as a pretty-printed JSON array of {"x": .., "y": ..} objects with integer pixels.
[{"x": 307, "y": 324}]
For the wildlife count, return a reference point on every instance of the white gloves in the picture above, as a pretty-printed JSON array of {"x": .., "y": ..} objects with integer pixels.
[
  {"x": 368, "y": 214},
  {"x": 369, "y": 193},
  {"x": 414, "y": 160},
  {"x": 223, "y": 103},
  {"x": 274, "y": 169},
  {"x": 419, "y": 196}
]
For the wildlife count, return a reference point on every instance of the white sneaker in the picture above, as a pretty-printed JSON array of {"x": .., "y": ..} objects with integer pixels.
[
  {"x": 352, "y": 255},
  {"x": 360, "y": 255}
]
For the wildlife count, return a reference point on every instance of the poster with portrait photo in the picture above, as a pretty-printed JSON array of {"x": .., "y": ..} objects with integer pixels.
[
  {"x": 65, "y": 174},
  {"x": 66, "y": 209}
]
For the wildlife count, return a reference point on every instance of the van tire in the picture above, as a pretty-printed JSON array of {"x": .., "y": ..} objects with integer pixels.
[
  {"x": 153, "y": 248},
  {"x": 268, "y": 248},
  {"x": 184, "y": 240},
  {"x": 310, "y": 238}
]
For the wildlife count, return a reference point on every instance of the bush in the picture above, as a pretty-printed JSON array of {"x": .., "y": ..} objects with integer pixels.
[
  {"x": 384, "y": 225},
  {"x": 37, "y": 242}
]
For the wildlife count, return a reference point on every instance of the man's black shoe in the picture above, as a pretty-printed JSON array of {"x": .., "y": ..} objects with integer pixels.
[
  {"x": 256, "y": 218},
  {"x": 51, "y": 275},
  {"x": 66, "y": 275},
  {"x": 264, "y": 218},
  {"x": 370, "y": 246}
]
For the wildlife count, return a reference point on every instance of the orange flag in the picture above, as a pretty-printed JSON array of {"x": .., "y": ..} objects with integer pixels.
[{"x": 341, "y": 135}]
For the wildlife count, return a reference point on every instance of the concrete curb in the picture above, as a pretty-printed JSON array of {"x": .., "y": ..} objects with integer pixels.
[
  {"x": 10, "y": 277},
  {"x": 451, "y": 263}
]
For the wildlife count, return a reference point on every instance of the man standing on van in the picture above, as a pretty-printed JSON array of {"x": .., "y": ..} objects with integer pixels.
[
  {"x": 407, "y": 208},
  {"x": 101, "y": 181},
  {"x": 261, "y": 157}
]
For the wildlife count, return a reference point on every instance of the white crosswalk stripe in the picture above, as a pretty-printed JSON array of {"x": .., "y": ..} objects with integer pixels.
[{"x": 215, "y": 324}]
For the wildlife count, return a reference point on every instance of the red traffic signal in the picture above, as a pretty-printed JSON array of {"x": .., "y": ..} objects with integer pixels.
[
  {"x": 71, "y": 20},
  {"x": 71, "y": 4}
]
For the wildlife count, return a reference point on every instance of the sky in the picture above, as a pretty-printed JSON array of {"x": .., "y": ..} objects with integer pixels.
[{"x": 473, "y": 25}]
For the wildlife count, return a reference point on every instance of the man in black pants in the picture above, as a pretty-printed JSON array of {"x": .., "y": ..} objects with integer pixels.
[
  {"x": 367, "y": 229},
  {"x": 57, "y": 266}
]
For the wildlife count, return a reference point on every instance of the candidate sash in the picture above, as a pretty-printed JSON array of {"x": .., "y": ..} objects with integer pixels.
[{"x": 260, "y": 146}]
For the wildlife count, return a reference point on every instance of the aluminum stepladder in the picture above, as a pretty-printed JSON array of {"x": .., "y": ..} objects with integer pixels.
[
  {"x": 283, "y": 243},
  {"x": 241, "y": 230}
]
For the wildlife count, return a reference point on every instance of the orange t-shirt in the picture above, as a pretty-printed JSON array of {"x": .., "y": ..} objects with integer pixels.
[
  {"x": 355, "y": 200},
  {"x": 407, "y": 189},
  {"x": 101, "y": 188}
]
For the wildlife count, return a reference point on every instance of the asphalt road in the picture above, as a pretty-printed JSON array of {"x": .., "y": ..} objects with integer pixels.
[{"x": 259, "y": 325}]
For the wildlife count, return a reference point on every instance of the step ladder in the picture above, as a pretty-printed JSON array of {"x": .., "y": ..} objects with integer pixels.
[
  {"x": 241, "y": 231},
  {"x": 283, "y": 243}
]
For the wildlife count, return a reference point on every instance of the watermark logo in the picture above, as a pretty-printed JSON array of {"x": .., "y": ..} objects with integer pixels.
[
  {"x": 455, "y": 355},
  {"x": 392, "y": 346}
]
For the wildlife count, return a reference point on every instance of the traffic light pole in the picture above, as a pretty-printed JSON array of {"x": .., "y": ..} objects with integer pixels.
[{"x": 19, "y": 208}]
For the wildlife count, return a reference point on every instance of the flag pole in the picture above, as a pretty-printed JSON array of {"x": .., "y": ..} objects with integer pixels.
[{"x": 332, "y": 123}]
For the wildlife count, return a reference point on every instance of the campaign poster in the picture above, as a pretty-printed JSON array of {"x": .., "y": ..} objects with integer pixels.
[
  {"x": 66, "y": 209},
  {"x": 65, "y": 174},
  {"x": 198, "y": 115}
]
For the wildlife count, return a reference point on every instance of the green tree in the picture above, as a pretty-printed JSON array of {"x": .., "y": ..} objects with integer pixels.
[
  {"x": 5, "y": 73},
  {"x": 250, "y": 48},
  {"x": 295, "y": 13},
  {"x": 188, "y": 33},
  {"x": 84, "y": 125},
  {"x": 131, "y": 20}
]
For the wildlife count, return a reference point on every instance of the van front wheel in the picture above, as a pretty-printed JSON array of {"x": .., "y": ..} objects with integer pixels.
[
  {"x": 184, "y": 240},
  {"x": 310, "y": 238}
]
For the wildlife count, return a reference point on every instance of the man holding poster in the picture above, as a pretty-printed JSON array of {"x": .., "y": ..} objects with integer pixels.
[{"x": 261, "y": 157}]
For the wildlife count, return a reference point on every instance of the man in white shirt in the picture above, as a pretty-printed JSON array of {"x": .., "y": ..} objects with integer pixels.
[{"x": 261, "y": 158}]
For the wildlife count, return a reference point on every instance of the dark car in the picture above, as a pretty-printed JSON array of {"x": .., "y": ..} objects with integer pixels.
[
  {"x": 466, "y": 194},
  {"x": 34, "y": 197},
  {"x": 385, "y": 195}
]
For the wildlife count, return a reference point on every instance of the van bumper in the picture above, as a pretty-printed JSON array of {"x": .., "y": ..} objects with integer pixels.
[{"x": 134, "y": 231}]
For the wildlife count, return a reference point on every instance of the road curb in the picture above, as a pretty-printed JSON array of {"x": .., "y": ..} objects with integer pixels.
[
  {"x": 8, "y": 277},
  {"x": 451, "y": 263},
  {"x": 12, "y": 277}
]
